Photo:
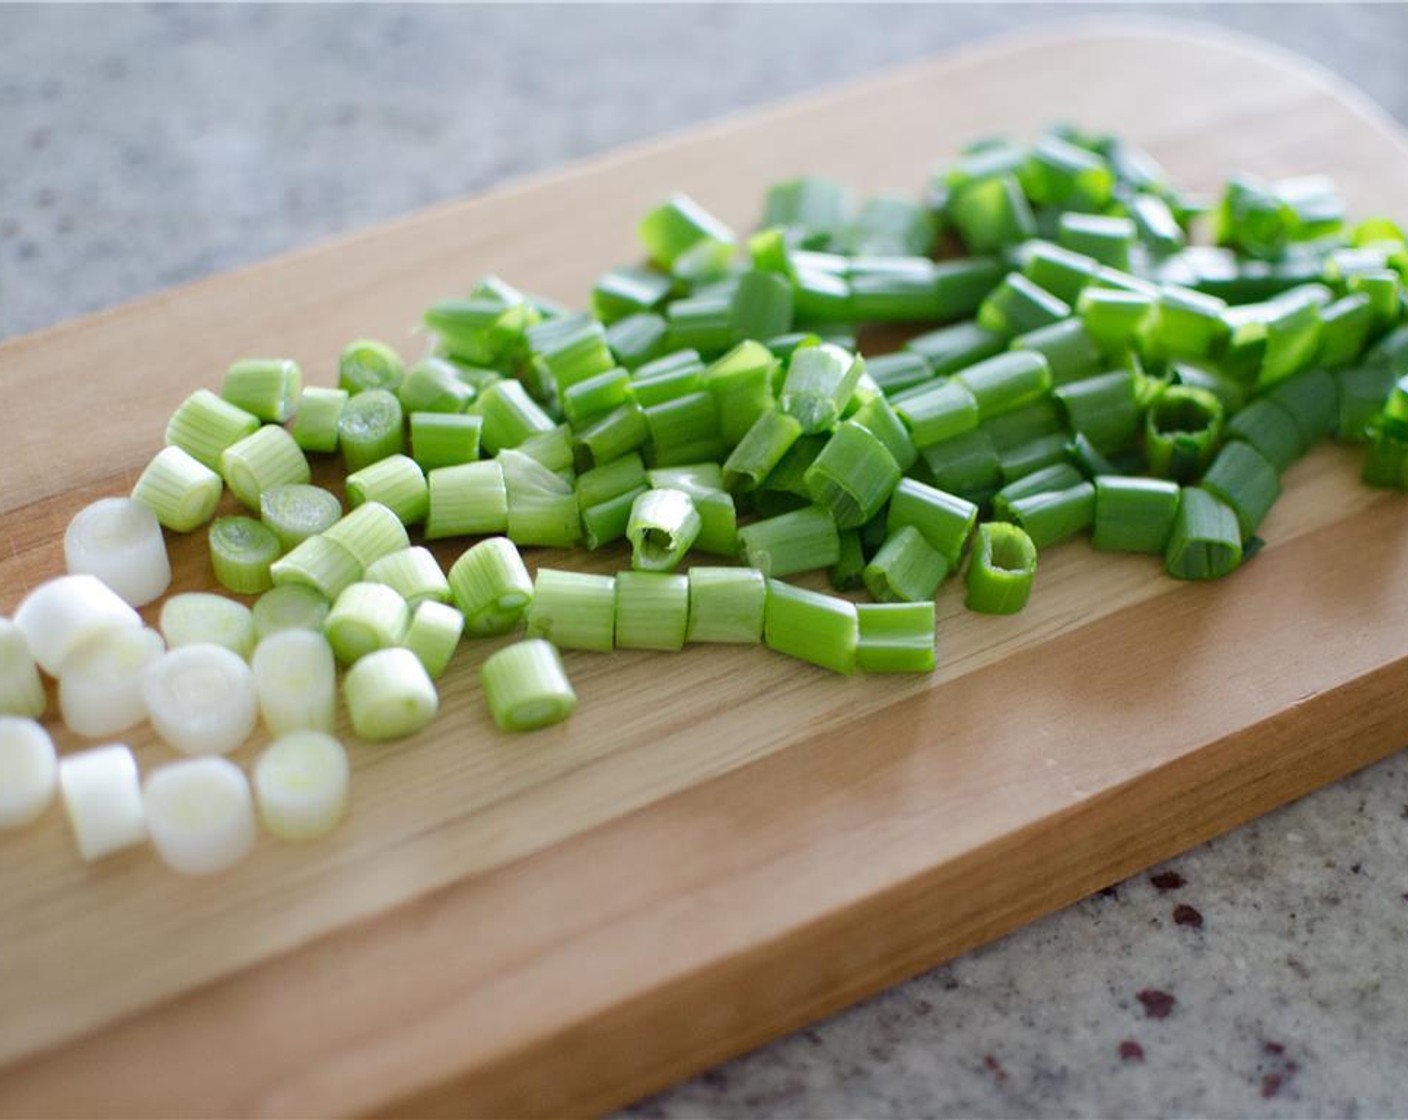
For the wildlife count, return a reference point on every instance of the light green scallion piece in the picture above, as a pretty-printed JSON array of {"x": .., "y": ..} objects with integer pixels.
[
  {"x": 182, "y": 491},
  {"x": 268, "y": 388},
  {"x": 741, "y": 384},
  {"x": 1134, "y": 514},
  {"x": 853, "y": 476},
  {"x": 434, "y": 385},
  {"x": 801, "y": 540},
  {"x": 1007, "y": 382},
  {"x": 366, "y": 617},
  {"x": 370, "y": 428},
  {"x": 510, "y": 416},
  {"x": 369, "y": 532},
  {"x": 818, "y": 386},
  {"x": 1002, "y": 570},
  {"x": 1182, "y": 432},
  {"x": 389, "y": 695},
  {"x": 610, "y": 480},
  {"x": 663, "y": 526},
  {"x": 573, "y": 610},
  {"x": 266, "y": 458},
  {"x": 296, "y": 511},
  {"x": 820, "y": 629},
  {"x": 318, "y": 563},
  {"x": 760, "y": 450},
  {"x": 526, "y": 686},
  {"x": 319, "y": 414},
  {"x": 1052, "y": 516},
  {"x": 652, "y": 610},
  {"x": 944, "y": 520},
  {"x": 434, "y": 635},
  {"x": 542, "y": 507},
  {"x": 205, "y": 425},
  {"x": 413, "y": 573},
  {"x": 896, "y": 637},
  {"x": 906, "y": 569},
  {"x": 606, "y": 521},
  {"x": 1246, "y": 482},
  {"x": 439, "y": 439},
  {"x": 491, "y": 587},
  {"x": 366, "y": 364},
  {"x": 242, "y": 552},
  {"x": 198, "y": 617},
  {"x": 397, "y": 483},
  {"x": 466, "y": 500},
  {"x": 726, "y": 605},
  {"x": 292, "y": 606}
]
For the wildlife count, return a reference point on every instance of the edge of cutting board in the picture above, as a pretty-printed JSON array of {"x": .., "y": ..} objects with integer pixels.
[{"x": 399, "y": 1027}]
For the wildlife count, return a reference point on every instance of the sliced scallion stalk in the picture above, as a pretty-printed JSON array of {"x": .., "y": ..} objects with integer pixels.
[
  {"x": 1361, "y": 396},
  {"x": 944, "y": 520},
  {"x": 616, "y": 433},
  {"x": 799, "y": 541},
  {"x": 1385, "y": 460},
  {"x": 21, "y": 690},
  {"x": 295, "y": 677},
  {"x": 1134, "y": 514},
  {"x": 300, "y": 785},
  {"x": 741, "y": 384},
  {"x": 1312, "y": 400},
  {"x": 102, "y": 799},
  {"x": 526, "y": 687},
  {"x": 1002, "y": 569},
  {"x": 628, "y": 290},
  {"x": 1068, "y": 348},
  {"x": 179, "y": 489},
  {"x": 434, "y": 635},
  {"x": 1007, "y": 382},
  {"x": 264, "y": 387},
  {"x": 609, "y": 480},
  {"x": 296, "y": 511},
  {"x": 899, "y": 371},
  {"x": 1242, "y": 479},
  {"x": 685, "y": 430},
  {"x": 852, "y": 476},
  {"x": 1114, "y": 317},
  {"x": 366, "y": 617},
  {"x": 29, "y": 771},
  {"x": 199, "y": 617},
  {"x": 896, "y": 637},
  {"x": 323, "y": 565},
  {"x": 369, "y": 532},
  {"x": 606, "y": 521},
  {"x": 1107, "y": 239},
  {"x": 595, "y": 396},
  {"x": 119, "y": 540},
  {"x": 370, "y": 428},
  {"x": 205, "y": 425},
  {"x": 242, "y": 554},
  {"x": 880, "y": 419},
  {"x": 652, "y": 610},
  {"x": 820, "y": 629},
  {"x": 440, "y": 439},
  {"x": 389, "y": 695},
  {"x": 1018, "y": 305},
  {"x": 726, "y": 605},
  {"x": 397, "y": 483},
  {"x": 1182, "y": 432},
  {"x": 491, "y": 587},
  {"x": 268, "y": 457},
  {"x": 906, "y": 569},
  {"x": 937, "y": 411},
  {"x": 1103, "y": 408},
  {"x": 468, "y": 499},
  {"x": 1051, "y": 516},
  {"x": 573, "y": 610},
  {"x": 366, "y": 365},
  {"x": 413, "y": 573},
  {"x": 1059, "y": 271},
  {"x": 663, "y": 526},
  {"x": 291, "y": 606},
  {"x": 542, "y": 507},
  {"x": 61, "y": 614},
  {"x": 1271, "y": 430},
  {"x": 1206, "y": 542},
  {"x": 955, "y": 347},
  {"x": 569, "y": 349},
  {"x": 100, "y": 686},
  {"x": 201, "y": 698},
  {"x": 434, "y": 385},
  {"x": 319, "y": 414},
  {"x": 819, "y": 383},
  {"x": 760, "y": 450}
]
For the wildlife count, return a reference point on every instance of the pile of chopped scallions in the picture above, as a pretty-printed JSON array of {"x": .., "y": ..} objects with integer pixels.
[{"x": 1074, "y": 364}]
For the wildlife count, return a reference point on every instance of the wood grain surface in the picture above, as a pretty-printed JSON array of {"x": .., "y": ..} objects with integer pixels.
[{"x": 722, "y": 844}]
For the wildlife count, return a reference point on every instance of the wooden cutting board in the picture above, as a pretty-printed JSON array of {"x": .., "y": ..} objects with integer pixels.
[{"x": 722, "y": 844}]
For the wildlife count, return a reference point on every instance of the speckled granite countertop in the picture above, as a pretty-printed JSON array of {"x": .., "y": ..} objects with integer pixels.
[{"x": 1265, "y": 973}]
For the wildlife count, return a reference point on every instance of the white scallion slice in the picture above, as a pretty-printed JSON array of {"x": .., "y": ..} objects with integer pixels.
[
  {"x": 119, "y": 541},
  {"x": 29, "y": 770},
  {"x": 200, "y": 815},
  {"x": 60, "y": 615},
  {"x": 21, "y": 690},
  {"x": 201, "y": 699},
  {"x": 389, "y": 695},
  {"x": 290, "y": 606},
  {"x": 296, "y": 679},
  {"x": 103, "y": 800},
  {"x": 201, "y": 617},
  {"x": 100, "y": 685},
  {"x": 300, "y": 782}
]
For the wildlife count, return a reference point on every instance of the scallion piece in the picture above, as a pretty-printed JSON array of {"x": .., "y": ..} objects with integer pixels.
[
  {"x": 510, "y": 416},
  {"x": 949, "y": 349},
  {"x": 434, "y": 385},
  {"x": 652, "y": 610},
  {"x": 726, "y": 605},
  {"x": 1018, "y": 305},
  {"x": 397, "y": 483},
  {"x": 1270, "y": 429},
  {"x": 1311, "y": 399},
  {"x": 1242, "y": 479},
  {"x": 1206, "y": 542},
  {"x": 291, "y": 606},
  {"x": 906, "y": 569},
  {"x": 628, "y": 290},
  {"x": 366, "y": 617},
  {"x": 295, "y": 677},
  {"x": 937, "y": 411},
  {"x": 1114, "y": 317},
  {"x": 1182, "y": 432},
  {"x": 389, "y": 695},
  {"x": 898, "y": 371},
  {"x": 199, "y": 815},
  {"x": 573, "y": 610},
  {"x": 264, "y": 387},
  {"x": 741, "y": 384},
  {"x": 1185, "y": 324},
  {"x": 852, "y": 476},
  {"x": 61, "y": 614},
  {"x": 366, "y": 364},
  {"x": 820, "y": 629},
  {"x": 182, "y": 491},
  {"x": 663, "y": 526},
  {"x": 685, "y": 430},
  {"x": 891, "y": 225},
  {"x": 268, "y": 457},
  {"x": 1062, "y": 272},
  {"x": 369, "y": 429},
  {"x": 296, "y": 511},
  {"x": 609, "y": 480},
  {"x": 318, "y": 563},
  {"x": 1002, "y": 569},
  {"x": 718, "y": 519},
  {"x": 200, "y": 617},
  {"x": 1104, "y": 409},
  {"x": 683, "y": 237},
  {"x": 319, "y": 414},
  {"x": 434, "y": 635},
  {"x": 1007, "y": 382},
  {"x": 31, "y": 768},
  {"x": 1067, "y": 346},
  {"x": 526, "y": 687},
  {"x": 703, "y": 323},
  {"x": 761, "y": 306},
  {"x": 542, "y": 507},
  {"x": 242, "y": 552},
  {"x": 1134, "y": 514},
  {"x": 847, "y": 574},
  {"x": 960, "y": 286},
  {"x": 100, "y": 684},
  {"x": 491, "y": 587},
  {"x": 991, "y": 212},
  {"x": 1036, "y": 454},
  {"x": 1361, "y": 396},
  {"x": 21, "y": 691},
  {"x": 896, "y": 637},
  {"x": 760, "y": 450},
  {"x": 944, "y": 520},
  {"x": 466, "y": 500},
  {"x": 442, "y": 440},
  {"x": 637, "y": 339},
  {"x": 369, "y": 532},
  {"x": 1107, "y": 239},
  {"x": 1385, "y": 460},
  {"x": 1051, "y": 516},
  {"x": 201, "y": 699},
  {"x": 606, "y": 521},
  {"x": 966, "y": 465},
  {"x": 300, "y": 785},
  {"x": 205, "y": 425},
  {"x": 119, "y": 540},
  {"x": 1344, "y": 329},
  {"x": 819, "y": 383},
  {"x": 595, "y": 396},
  {"x": 799, "y": 541},
  {"x": 413, "y": 573}
]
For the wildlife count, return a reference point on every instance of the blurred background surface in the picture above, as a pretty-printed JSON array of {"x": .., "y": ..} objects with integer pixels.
[{"x": 1263, "y": 974}]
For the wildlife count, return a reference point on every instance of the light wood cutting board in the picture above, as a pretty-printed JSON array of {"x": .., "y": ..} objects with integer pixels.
[{"x": 722, "y": 844}]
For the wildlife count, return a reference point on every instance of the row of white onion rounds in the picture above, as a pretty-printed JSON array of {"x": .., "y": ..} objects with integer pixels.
[{"x": 202, "y": 699}]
